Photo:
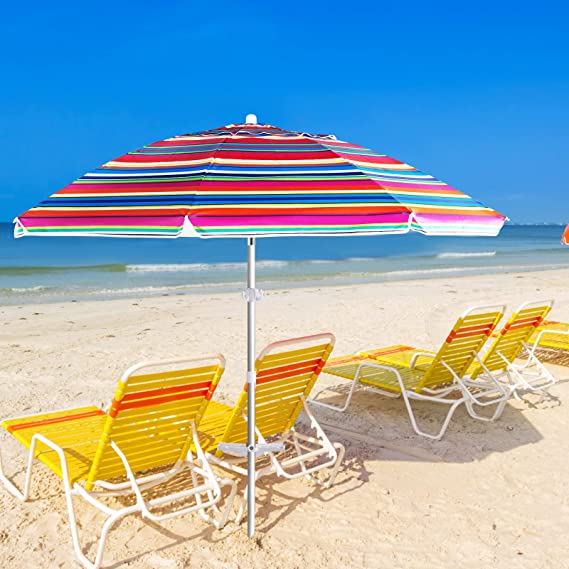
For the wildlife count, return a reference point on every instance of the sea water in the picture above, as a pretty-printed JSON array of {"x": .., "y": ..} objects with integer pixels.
[{"x": 48, "y": 269}]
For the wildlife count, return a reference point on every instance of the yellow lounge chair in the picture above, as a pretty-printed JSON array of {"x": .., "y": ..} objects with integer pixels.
[
  {"x": 498, "y": 357},
  {"x": 141, "y": 441},
  {"x": 509, "y": 344},
  {"x": 438, "y": 377},
  {"x": 286, "y": 373}
]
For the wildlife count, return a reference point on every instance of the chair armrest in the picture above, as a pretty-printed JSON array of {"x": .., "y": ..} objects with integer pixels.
[
  {"x": 546, "y": 331},
  {"x": 535, "y": 344},
  {"x": 417, "y": 355}
]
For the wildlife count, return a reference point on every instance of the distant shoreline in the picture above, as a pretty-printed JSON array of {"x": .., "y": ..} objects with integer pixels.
[
  {"x": 206, "y": 291},
  {"x": 59, "y": 269}
]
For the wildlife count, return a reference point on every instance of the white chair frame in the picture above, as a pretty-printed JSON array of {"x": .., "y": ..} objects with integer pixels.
[
  {"x": 472, "y": 393},
  {"x": 531, "y": 376},
  {"x": 207, "y": 493},
  {"x": 306, "y": 448}
]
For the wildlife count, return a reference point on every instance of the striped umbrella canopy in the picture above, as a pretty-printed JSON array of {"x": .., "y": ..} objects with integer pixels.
[
  {"x": 254, "y": 180},
  {"x": 250, "y": 180},
  {"x": 565, "y": 237}
]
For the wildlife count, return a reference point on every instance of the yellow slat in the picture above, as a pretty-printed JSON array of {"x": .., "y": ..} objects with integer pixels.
[
  {"x": 164, "y": 409},
  {"x": 166, "y": 376},
  {"x": 286, "y": 391},
  {"x": 291, "y": 356}
]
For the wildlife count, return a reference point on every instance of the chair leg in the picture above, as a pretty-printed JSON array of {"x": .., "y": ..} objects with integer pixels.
[
  {"x": 500, "y": 405},
  {"x": 107, "y": 526},
  {"x": 219, "y": 524},
  {"x": 340, "y": 449},
  {"x": 540, "y": 383},
  {"x": 242, "y": 507},
  {"x": 340, "y": 408},
  {"x": 24, "y": 494},
  {"x": 325, "y": 441},
  {"x": 69, "y": 492},
  {"x": 299, "y": 453},
  {"x": 442, "y": 431},
  {"x": 336, "y": 453},
  {"x": 10, "y": 486}
]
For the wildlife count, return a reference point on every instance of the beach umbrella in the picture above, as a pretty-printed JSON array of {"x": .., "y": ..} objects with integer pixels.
[
  {"x": 565, "y": 237},
  {"x": 256, "y": 180}
]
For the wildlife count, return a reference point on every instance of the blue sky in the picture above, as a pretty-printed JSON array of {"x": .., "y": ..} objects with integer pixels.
[{"x": 474, "y": 93}]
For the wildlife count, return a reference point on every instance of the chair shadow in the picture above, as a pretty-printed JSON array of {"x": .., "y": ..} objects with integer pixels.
[
  {"x": 351, "y": 476},
  {"x": 268, "y": 513},
  {"x": 200, "y": 528},
  {"x": 553, "y": 356},
  {"x": 383, "y": 423}
]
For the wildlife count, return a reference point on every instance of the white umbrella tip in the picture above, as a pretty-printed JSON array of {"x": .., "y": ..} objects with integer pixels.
[{"x": 251, "y": 119}]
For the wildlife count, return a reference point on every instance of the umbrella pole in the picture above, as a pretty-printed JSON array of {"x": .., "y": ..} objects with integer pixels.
[{"x": 251, "y": 385}]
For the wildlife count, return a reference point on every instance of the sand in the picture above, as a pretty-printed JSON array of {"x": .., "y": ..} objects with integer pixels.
[{"x": 487, "y": 495}]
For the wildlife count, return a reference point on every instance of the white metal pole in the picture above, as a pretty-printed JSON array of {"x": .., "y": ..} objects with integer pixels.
[{"x": 251, "y": 385}]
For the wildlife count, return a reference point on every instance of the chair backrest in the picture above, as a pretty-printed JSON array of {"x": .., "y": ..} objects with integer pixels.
[
  {"x": 286, "y": 372},
  {"x": 510, "y": 340},
  {"x": 465, "y": 340},
  {"x": 151, "y": 414}
]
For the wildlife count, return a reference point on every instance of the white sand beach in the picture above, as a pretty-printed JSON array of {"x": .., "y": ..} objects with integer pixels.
[{"x": 487, "y": 495}]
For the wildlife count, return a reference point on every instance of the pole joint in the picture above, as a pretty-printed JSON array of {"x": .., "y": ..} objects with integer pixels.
[{"x": 253, "y": 294}]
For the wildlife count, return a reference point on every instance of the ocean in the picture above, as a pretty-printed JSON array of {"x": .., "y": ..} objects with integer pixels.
[{"x": 57, "y": 268}]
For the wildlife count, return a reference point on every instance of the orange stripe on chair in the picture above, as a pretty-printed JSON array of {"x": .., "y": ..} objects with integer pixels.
[
  {"x": 527, "y": 322},
  {"x": 380, "y": 352},
  {"x": 54, "y": 420},
  {"x": 281, "y": 371},
  {"x": 469, "y": 331},
  {"x": 151, "y": 393},
  {"x": 120, "y": 406},
  {"x": 319, "y": 367},
  {"x": 532, "y": 322},
  {"x": 210, "y": 391},
  {"x": 346, "y": 360},
  {"x": 286, "y": 371}
]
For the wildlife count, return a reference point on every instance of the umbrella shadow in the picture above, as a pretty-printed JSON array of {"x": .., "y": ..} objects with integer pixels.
[{"x": 352, "y": 476}]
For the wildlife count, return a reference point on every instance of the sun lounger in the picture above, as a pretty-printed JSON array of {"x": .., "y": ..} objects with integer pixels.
[
  {"x": 428, "y": 376},
  {"x": 140, "y": 442},
  {"x": 286, "y": 373}
]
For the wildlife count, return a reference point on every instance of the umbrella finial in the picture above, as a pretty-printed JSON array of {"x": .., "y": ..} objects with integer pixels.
[{"x": 251, "y": 119}]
